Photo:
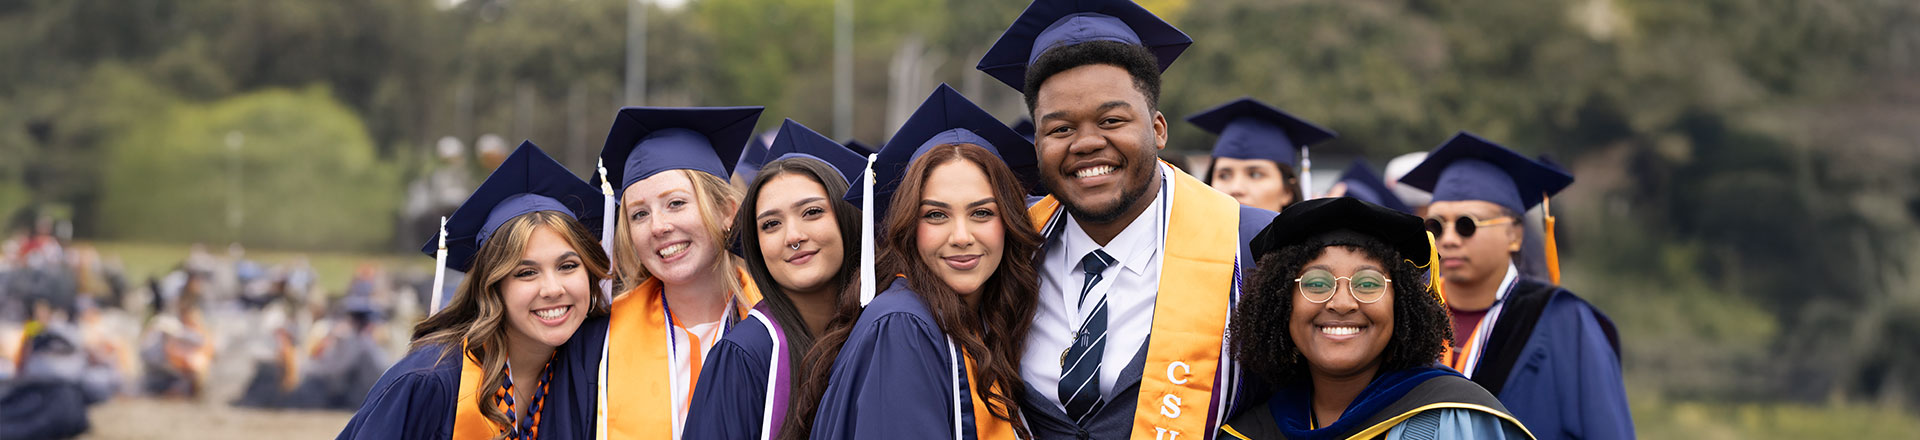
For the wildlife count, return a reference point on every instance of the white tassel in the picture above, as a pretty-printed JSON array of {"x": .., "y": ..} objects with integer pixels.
[
  {"x": 609, "y": 209},
  {"x": 867, "y": 278},
  {"x": 439, "y": 270},
  {"x": 1306, "y": 175}
]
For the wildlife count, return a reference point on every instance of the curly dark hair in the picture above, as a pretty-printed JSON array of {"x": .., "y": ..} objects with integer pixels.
[
  {"x": 1137, "y": 60},
  {"x": 1261, "y": 341}
]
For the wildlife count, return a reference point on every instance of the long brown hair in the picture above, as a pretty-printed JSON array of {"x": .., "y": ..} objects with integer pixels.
[
  {"x": 800, "y": 337},
  {"x": 1007, "y": 300},
  {"x": 477, "y": 314},
  {"x": 714, "y": 196}
]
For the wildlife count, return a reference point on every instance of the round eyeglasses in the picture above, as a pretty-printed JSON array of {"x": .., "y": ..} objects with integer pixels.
[{"x": 1366, "y": 286}]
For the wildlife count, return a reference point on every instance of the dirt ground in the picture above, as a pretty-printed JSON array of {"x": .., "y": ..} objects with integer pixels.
[{"x": 145, "y": 418}]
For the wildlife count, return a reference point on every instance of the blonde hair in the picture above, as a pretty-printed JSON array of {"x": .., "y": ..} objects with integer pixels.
[
  {"x": 476, "y": 316},
  {"x": 715, "y": 197}
]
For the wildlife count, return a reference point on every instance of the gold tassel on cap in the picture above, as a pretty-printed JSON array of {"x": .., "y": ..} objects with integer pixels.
[
  {"x": 1553, "y": 250},
  {"x": 1433, "y": 272}
]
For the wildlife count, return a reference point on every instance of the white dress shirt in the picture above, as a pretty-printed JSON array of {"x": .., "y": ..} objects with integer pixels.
[{"x": 1130, "y": 287}]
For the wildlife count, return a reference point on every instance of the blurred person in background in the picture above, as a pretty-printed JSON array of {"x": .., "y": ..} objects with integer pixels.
[
  {"x": 1257, "y": 158},
  {"x": 1551, "y": 357}
]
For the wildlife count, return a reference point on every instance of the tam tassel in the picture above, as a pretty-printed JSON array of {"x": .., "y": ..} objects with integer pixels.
[
  {"x": 1552, "y": 248},
  {"x": 1306, "y": 175},
  {"x": 608, "y": 212},
  {"x": 439, "y": 270},
  {"x": 867, "y": 283}
]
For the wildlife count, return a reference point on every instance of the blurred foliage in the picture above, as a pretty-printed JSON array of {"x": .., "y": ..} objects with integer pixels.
[
  {"x": 279, "y": 169},
  {"x": 1746, "y": 204}
]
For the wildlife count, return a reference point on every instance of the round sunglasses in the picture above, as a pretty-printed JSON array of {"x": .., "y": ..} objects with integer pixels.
[{"x": 1464, "y": 225}]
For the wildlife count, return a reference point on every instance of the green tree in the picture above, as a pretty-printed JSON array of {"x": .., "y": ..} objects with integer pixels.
[{"x": 299, "y": 166}]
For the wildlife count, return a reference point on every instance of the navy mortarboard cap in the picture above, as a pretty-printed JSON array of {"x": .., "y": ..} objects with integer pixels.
[
  {"x": 1363, "y": 184},
  {"x": 1340, "y": 221},
  {"x": 860, "y": 148},
  {"x": 527, "y": 181},
  {"x": 947, "y": 118},
  {"x": 795, "y": 140},
  {"x": 751, "y": 158},
  {"x": 647, "y": 140},
  {"x": 1024, "y": 126},
  {"x": 1469, "y": 167},
  {"x": 1250, "y": 129},
  {"x": 1047, "y": 24}
]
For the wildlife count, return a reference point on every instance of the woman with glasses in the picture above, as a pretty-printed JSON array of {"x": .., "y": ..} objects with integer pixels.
[
  {"x": 1549, "y": 355},
  {"x": 1338, "y": 318}
]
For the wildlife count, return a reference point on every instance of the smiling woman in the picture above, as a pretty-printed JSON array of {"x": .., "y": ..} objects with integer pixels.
[
  {"x": 935, "y": 355},
  {"x": 532, "y": 266},
  {"x": 800, "y": 239},
  {"x": 682, "y": 290},
  {"x": 1339, "y": 315}
]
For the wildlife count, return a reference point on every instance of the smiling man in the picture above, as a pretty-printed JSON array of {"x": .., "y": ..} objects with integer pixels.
[
  {"x": 1550, "y": 356},
  {"x": 1142, "y": 262}
]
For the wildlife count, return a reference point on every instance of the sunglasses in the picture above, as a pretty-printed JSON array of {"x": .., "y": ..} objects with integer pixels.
[{"x": 1464, "y": 225}]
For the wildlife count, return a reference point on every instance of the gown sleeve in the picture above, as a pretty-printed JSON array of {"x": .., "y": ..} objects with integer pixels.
[
  {"x": 414, "y": 405},
  {"x": 1456, "y": 424},
  {"x": 890, "y": 381},
  {"x": 730, "y": 402}
]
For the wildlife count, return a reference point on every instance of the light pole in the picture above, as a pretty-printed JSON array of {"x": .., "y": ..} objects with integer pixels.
[{"x": 235, "y": 140}]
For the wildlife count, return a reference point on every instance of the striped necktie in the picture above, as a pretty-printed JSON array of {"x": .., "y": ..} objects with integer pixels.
[{"x": 1080, "y": 365}]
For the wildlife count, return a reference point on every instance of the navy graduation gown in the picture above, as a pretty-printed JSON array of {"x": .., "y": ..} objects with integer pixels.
[
  {"x": 894, "y": 377},
  {"x": 730, "y": 402},
  {"x": 415, "y": 399},
  {"x": 1564, "y": 379}
]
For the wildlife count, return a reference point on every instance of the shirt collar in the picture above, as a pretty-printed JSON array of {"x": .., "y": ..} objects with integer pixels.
[{"x": 1136, "y": 245}]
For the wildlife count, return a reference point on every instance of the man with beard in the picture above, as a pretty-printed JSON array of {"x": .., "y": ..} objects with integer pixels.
[{"x": 1142, "y": 266}]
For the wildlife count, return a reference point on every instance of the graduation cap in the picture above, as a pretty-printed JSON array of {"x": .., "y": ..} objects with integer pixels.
[
  {"x": 752, "y": 157},
  {"x": 1363, "y": 184},
  {"x": 1341, "y": 221},
  {"x": 795, "y": 140},
  {"x": 1469, "y": 167},
  {"x": 1024, "y": 126},
  {"x": 860, "y": 148},
  {"x": 647, "y": 140},
  {"x": 944, "y": 118},
  {"x": 1250, "y": 129},
  {"x": 947, "y": 117},
  {"x": 528, "y": 181},
  {"x": 1047, "y": 24}
]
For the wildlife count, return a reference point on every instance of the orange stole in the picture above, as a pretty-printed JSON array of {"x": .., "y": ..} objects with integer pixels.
[
  {"x": 467, "y": 421},
  {"x": 638, "y": 401},
  {"x": 985, "y": 425},
  {"x": 1196, "y": 277}
]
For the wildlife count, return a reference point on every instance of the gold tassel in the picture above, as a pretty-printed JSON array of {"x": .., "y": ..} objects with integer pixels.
[
  {"x": 1553, "y": 250},
  {"x": 1433, "y": 272}
]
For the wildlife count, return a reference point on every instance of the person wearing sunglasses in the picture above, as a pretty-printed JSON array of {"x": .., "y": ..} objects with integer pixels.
[
  {"x": 1549, "y": 355},
  {"x": 1339, "y": 315}
]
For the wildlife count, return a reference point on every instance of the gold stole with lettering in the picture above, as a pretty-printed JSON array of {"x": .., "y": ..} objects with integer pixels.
[
  {"x": 636, "y": 388},
  {"x": 1190, "y": 316}
]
